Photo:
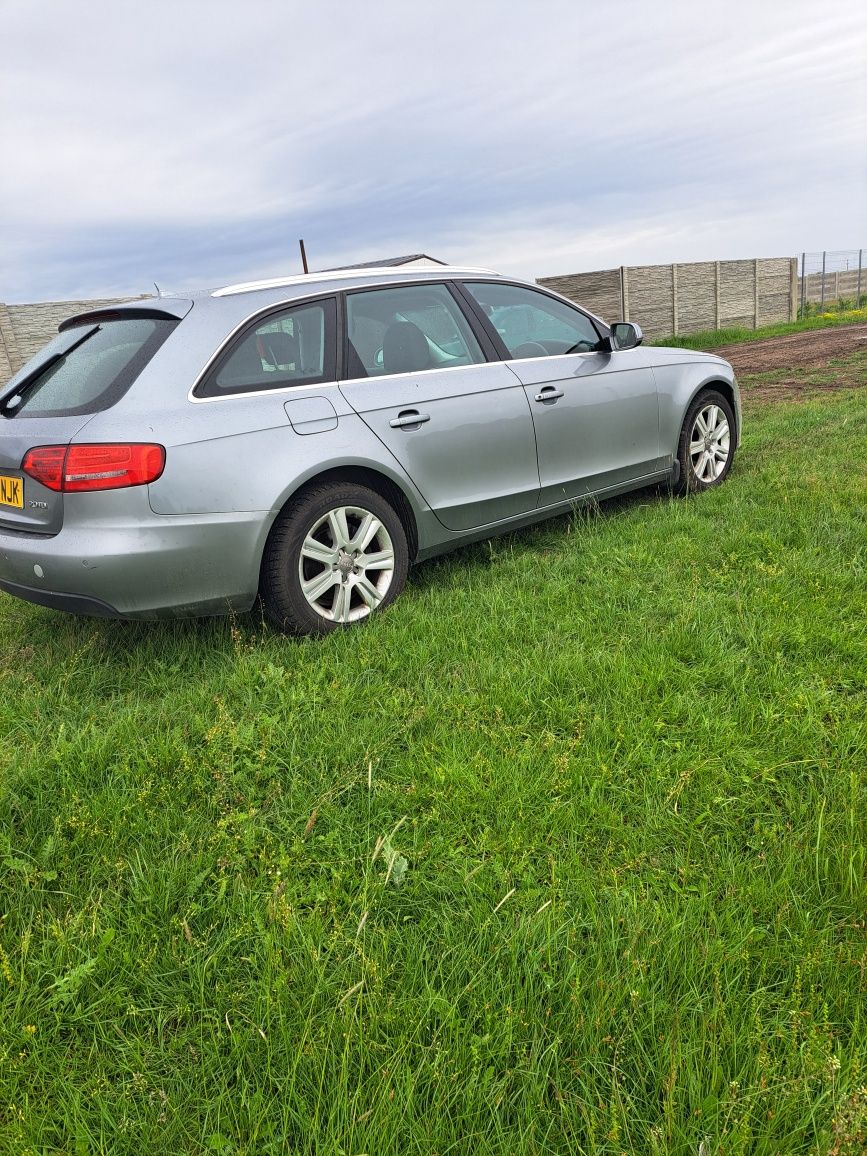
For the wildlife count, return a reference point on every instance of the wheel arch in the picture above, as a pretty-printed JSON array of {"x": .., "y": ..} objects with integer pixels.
[
  {"x": 372, "y": 479},
  {"x": 719, "y": 385}
]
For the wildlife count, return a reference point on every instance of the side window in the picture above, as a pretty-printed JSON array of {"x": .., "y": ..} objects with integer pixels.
[
  {"x": 531, "y": 324},
  {"x": 293, "y": 347},
  {"x": 406, "y": 329}
]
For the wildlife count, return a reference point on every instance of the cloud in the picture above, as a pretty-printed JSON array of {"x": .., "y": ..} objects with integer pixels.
[{"x": 195, "y": 143}]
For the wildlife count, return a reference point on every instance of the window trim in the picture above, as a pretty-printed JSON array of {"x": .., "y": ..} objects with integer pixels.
[
  {"x": 205, "y": 388},
  {"x": 495, "y": 340},
  {"x": 488, "y": 349}
]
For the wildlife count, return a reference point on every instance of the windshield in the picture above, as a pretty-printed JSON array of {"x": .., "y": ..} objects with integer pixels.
[{"x": 86, "y": 368}]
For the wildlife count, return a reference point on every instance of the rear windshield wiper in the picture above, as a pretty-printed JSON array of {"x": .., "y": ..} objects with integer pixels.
[{"x": 12, "y": 398}]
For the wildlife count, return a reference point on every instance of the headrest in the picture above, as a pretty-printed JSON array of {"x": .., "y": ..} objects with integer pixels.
[{"x": 405, "y": 348}]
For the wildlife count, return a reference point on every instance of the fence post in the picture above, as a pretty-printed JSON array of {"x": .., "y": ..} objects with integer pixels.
[
  {"x": 836, "y": 285},
  {"x": 822, "y": 293},
  {"x": 756, "y": 293},
  {"x": 860, "y": 254},
  {"x": 803, "y": 283},
  {"x": 9, "y": 352},
  {"x": 716, "y": 295},
  {"x": 674, "y": 299},
  {"x": 624, "y": 293}
]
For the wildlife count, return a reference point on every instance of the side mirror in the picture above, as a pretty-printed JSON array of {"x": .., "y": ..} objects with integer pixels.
[{"x": 626, "y": 335}]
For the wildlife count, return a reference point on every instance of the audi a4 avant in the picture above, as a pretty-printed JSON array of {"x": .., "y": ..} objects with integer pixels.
[{"x": 302, "y": 441}]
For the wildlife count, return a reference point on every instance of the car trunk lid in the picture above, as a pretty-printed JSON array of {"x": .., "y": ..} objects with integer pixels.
[{"x": 85, "y": 369}]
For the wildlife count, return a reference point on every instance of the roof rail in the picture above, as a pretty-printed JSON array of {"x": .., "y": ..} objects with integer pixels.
[{"x": 423, "y": 272}]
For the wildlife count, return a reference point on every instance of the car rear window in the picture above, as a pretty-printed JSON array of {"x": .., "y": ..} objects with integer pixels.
[{"x": 91, "y": 373}]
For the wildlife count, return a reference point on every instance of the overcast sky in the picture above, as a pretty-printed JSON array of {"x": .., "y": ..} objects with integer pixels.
[{"x": 192, "y": 142}]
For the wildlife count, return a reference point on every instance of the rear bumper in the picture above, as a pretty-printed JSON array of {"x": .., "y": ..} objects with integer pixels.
[{"x": 124, "y": 561}]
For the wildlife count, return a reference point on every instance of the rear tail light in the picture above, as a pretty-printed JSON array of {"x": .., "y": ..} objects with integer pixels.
[{"x": 108, "y": 466}]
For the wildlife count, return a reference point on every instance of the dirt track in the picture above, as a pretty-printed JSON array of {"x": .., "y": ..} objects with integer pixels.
[
  {"x": 796, "y": 350},
  {"x": 800, "y": 365}
]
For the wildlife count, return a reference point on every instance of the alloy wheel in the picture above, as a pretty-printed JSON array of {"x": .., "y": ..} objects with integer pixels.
[
  {"x": 709, "y": 443},
  {"x": 346, "y": 564}
]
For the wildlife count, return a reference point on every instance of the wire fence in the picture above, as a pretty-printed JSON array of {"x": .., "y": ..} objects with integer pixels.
[{"x": 832, "y": 280}]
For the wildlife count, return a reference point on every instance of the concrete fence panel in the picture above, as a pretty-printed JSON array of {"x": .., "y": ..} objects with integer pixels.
[
  {"x": 652, "y": 297},
  {"x": 838, "y": 284},
  {"x": 599, "y": 292},
  {"x": 688, "y": 298},
  {"x": 696, "y": 296},
  {"x": 775, "y": 290},
  {"x": 737, "y": 293}
]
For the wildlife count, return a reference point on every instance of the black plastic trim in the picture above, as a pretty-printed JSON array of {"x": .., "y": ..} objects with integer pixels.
[
  {"x": 71, "y": 603},
  {"x": 480, "y": 331},
  {"x": 342, "y": 338},
  {"x": 482, "y": 322},
  {"x": 135, "y": 313}
]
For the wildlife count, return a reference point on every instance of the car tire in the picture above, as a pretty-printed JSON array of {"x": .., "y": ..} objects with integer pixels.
[
  {"x": 334, "y": 554},
  {"x": 706, "y": 448}
]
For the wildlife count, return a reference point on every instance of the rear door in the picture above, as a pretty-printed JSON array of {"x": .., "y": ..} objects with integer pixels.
[
  {"x": 459, "y": 426},
  {"x": 595, "y": 414}
]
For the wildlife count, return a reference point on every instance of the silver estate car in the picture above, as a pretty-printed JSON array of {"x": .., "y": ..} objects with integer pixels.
[{"x": 304, "y": 440}]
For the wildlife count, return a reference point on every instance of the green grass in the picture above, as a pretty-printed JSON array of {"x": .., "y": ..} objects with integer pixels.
[
  {"x": 622, "y": 756},
  {"x": 713, "y": 338}
]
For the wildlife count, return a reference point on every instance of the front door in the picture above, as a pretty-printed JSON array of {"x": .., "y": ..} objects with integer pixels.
[
  {"x": 595, "y": 414},
  {"x": 596, "y": 419}
]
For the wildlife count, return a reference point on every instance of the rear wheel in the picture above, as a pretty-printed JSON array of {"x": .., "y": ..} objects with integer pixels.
[
  {"x": 333, "y": 556},
  {"x": 707, "y": 443}
]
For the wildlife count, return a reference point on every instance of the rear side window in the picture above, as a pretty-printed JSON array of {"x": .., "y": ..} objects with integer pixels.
[
  {"x": 293, "y": 347},
  {"x": 94, "y": 365},
  {"x": 407, "y": 329}
]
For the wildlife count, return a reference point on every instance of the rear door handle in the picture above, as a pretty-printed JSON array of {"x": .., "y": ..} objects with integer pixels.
[
  {"x": 550, "y": 394},
  {"x": 408, "y": 419}
]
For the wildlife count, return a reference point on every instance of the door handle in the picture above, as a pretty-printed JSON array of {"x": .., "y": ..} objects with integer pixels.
[
  {"x": 408, "y": 418},
  {"x": 549, "y": 394}
]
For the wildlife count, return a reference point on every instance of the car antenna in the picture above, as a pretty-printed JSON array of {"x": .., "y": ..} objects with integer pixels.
[
  {"x": 159, "y": 291},
  {"x": 303, "y": 256}
]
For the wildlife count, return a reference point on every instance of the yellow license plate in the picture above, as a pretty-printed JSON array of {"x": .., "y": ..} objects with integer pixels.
[{"x": 11, "y": 492}]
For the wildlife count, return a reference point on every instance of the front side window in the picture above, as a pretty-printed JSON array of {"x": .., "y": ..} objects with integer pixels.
[
  {"x": 88, "y": 367},
  {"x": 407, "y": 329},
  {"x": 532, "y": 324},
  {"x": 292, "y": 347}
]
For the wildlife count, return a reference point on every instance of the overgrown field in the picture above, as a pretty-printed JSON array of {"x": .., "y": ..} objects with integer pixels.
[{"x": 565, "y": 854}]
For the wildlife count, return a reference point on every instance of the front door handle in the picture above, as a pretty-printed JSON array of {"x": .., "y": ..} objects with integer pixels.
[
  {"x": 409, "y": 419},
  {"x": 549, "y": 394}
]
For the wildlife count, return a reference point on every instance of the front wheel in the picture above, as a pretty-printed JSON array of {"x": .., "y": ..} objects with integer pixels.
[
  {"x": 707, "y": 443},
  {"x": 333, "y": 556}
]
